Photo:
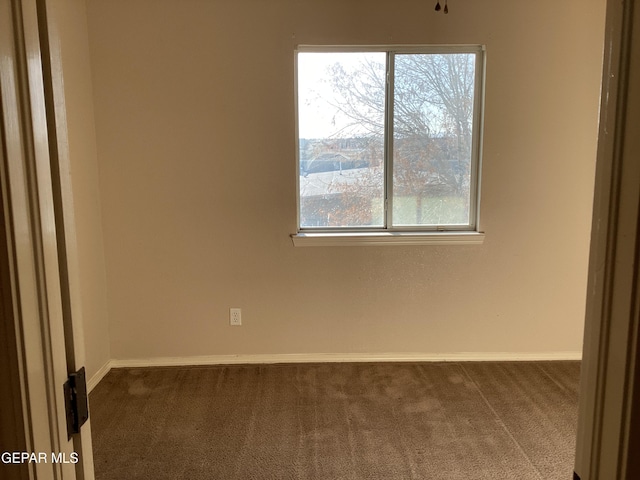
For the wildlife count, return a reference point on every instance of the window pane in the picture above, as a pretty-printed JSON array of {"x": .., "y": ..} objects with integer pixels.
[
  {"x": 432, "y": 139},
  {"x": 341, "y": 101}
]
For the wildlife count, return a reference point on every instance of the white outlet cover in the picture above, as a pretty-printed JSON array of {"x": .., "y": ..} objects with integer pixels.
[{"x": 235, "y": 316}]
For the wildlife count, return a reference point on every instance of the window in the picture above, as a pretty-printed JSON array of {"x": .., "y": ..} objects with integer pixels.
[{"x": 388, "y": 139}]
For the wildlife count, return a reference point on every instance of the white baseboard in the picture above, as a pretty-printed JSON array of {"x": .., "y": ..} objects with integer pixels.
[
  {"x": 99, "y": 375},
  {"x": 342, "y": 357}
]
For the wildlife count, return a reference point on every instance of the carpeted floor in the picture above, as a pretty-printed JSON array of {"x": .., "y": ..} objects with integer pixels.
[{"x": 382, "y": 421}]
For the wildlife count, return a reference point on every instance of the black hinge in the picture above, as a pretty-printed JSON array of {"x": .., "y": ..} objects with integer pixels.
[
  {"x": 575, "y": 476},
  {"x": 76, "y": 402}
]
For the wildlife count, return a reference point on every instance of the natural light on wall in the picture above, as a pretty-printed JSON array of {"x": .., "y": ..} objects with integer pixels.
[{"x": 388, "y": 140}]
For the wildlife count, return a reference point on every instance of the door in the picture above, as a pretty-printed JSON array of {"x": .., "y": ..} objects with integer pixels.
[{"x": 34, "y": 241}]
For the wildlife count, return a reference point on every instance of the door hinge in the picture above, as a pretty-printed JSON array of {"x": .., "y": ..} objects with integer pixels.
[{"x": 76, "y": 401}]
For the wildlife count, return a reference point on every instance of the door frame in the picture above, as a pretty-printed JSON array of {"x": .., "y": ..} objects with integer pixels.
[
  {"x": 37, "y": 243},
  {"x": 610, "y": 365}
]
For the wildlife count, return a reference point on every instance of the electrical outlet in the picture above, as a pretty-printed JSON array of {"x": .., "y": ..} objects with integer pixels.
[{"x": 235, "y": 316}]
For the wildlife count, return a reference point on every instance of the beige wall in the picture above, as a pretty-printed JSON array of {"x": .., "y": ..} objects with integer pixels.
[
  {"x": 195, "y": 121},
  {"x": 69, "y": 22}
]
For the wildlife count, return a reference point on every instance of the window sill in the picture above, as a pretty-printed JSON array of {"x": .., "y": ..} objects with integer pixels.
[{"x": 346, "y": 239}]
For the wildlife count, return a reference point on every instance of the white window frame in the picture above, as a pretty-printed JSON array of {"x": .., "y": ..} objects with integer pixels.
[{"x": 404, "y": 235}]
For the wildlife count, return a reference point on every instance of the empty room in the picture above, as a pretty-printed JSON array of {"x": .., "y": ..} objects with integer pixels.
[{"x": 322, "y": 239}]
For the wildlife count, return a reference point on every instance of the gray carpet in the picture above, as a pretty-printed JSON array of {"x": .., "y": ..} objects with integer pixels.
[{"x": 338, "y": 421}]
